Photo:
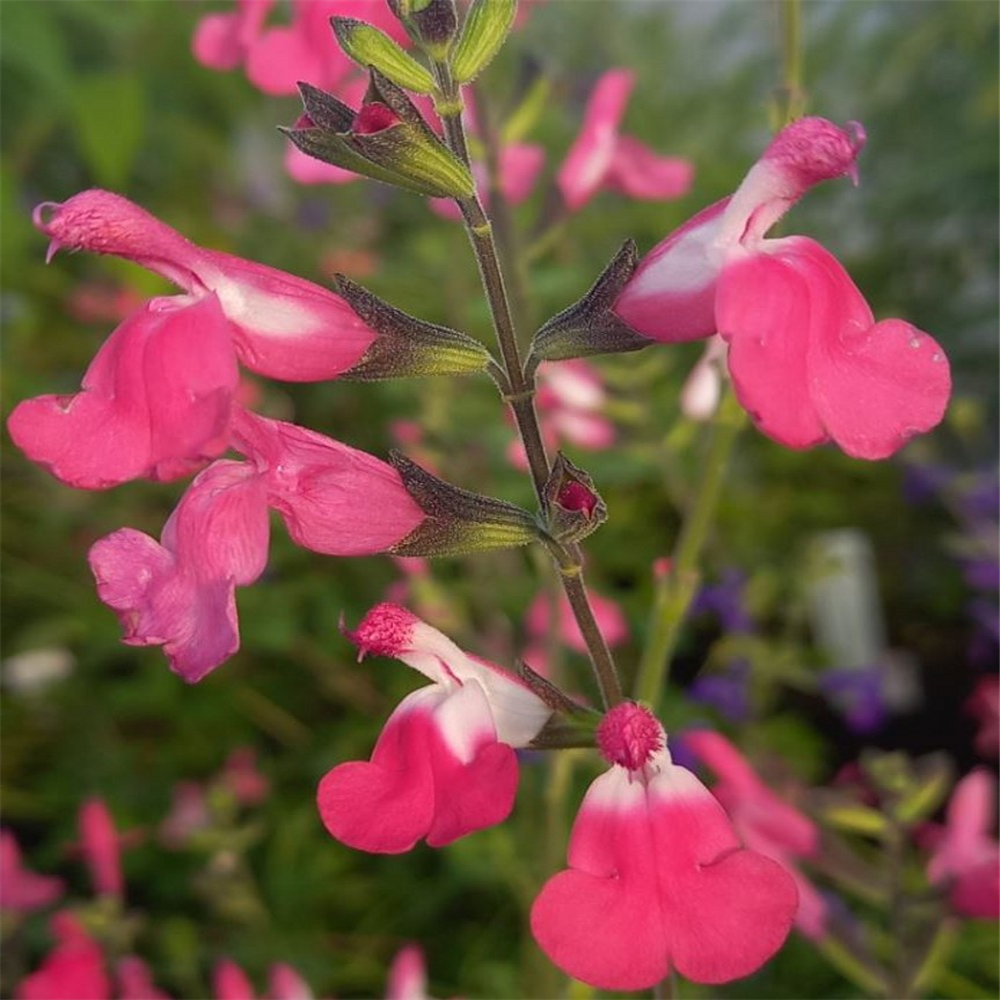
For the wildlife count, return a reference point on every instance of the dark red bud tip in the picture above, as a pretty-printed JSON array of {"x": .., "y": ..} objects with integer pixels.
[
  {"x": 374, "y": 117},
  {"x": 576, "y": 496},
  {"x": 304, "y": 121}
]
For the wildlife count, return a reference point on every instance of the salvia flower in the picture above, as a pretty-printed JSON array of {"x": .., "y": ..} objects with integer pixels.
[
  {"x": 282, "y": 326},
  {"x": 807, "y": 359},
  {"x": 21, "y": 889},
  {"x": 101, "y": 847},
  {"x": 180, "y": 592},
  {"x": 73, "y": 968},
  {"x": 657, "y": 877},
  {"x": 966, "y": 858},
  {"x": 602, "y": 158},
  {"x": 444, "y": 764}
]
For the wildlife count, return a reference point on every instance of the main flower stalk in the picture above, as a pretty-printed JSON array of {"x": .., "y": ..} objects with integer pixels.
[{"x": 519, "y": 390}]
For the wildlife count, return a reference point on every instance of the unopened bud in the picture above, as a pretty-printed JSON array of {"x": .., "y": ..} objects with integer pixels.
[
  {"x": 574, "y": 509},
  {"x": 483, "y": 33},
  {"x": 370, "y": 47}
]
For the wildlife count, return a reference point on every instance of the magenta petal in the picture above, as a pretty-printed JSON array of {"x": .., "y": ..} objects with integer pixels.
[
  {"x": 640, "y": 173},
  {"x": 278, "y": 59},
  {"x": 217, "y": 43},
  {"x": 671, "y": 296},
  {"x": 809, "y": 363},
  {"x": 387, "y": 805},
  {"x": 22, "y": 890},
  {"x": 520, "y": 164},
  {"x": 155, "y": 401},
  {"x": 767, "y": 314},
  {"x": 589, "y": 160},
  {"x": 334, "y": 499}
]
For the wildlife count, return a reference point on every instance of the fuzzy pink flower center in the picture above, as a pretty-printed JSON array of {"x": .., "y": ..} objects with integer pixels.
[
  {"x": 629, "y": 735},
  {"x": 817, "y": 150}
]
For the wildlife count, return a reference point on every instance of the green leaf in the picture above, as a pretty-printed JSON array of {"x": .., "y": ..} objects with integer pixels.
[
  {"x": 856, "y": 819},
  {"x": 484, "y": 32},
  {"x": 368, "y": 46},
  {"x": 107, "y": 115}
]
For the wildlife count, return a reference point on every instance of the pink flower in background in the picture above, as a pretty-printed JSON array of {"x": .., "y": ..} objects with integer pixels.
[
  {"x": 135, "y": 982},
  {"x": 101, "y": 847},
  {"x": 72, "y": 970},
  {"x": 242, "y": 778},
  {"x": 571, "y": 399},
  {"x": 223, "y": 41},
  {"x": 657, "y": 878},
  {"x": 966, "y": 857},
  {"x": 444, "y": 764},
  {"x": 281, "y": 326},
  {"x": 808, "y": 361},
  {"x": 189, "y": 814},
  {"x": 766, "y": 823},
  {"x": 21, "y": 889},
  {"x": 407, "y": 975},
  {"x": 537, "y": 622},
  {"x": 230, "y": 982},
  {"x": 984, "y": 706},
  {"x": 702, "y": 389},
  {"x": 155, "y": 401},
  {"x": 180, "y": 592},
  {"x": 602, "y": 158}
]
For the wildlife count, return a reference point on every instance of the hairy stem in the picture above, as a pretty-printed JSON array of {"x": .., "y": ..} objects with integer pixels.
[{"x": 521, "y": 389}]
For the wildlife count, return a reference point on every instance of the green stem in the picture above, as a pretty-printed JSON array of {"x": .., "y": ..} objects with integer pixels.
[
  {"x": 791, "y": 96},
  {"x": 521, "y": 394},
  {"x": 677, "y": 586}
]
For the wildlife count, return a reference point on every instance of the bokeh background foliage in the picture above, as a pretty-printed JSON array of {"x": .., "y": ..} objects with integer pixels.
[{"x": 107, "y": 94}]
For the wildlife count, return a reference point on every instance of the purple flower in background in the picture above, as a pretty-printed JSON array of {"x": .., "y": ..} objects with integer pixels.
[
  {"x": 856, "y": 693},
  {"x": 726, "y": 600},
  {"x": 727, "y": 691}
]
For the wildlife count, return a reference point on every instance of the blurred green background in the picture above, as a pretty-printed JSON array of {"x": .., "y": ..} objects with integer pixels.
[{"x": 107, "y": 94}]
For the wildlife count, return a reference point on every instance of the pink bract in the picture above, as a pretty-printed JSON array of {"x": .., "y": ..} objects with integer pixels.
[
  {"x": 658, "y": 879},
  {"x": 807, "y": 359},
  {"x": 601, "y": 157},
  {"x": 444, "y": 765},
  {"x": 155, "y": 401},
  {"x": 281, "y": 326}
]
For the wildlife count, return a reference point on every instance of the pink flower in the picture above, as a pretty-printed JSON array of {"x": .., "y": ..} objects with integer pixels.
[
  {"x": 21, "y": 889},
  {"x": 223, "y": 41},
  {"x": 230, "y": 982},
  {"x": 570, "y": 400},
  {"x": 135, "y": 981},
  {"x": 607, "y": 612},
  {"x": 407, "y": 975},
  {"x": 101, "y": 848},
  {"x": 657, "y": 877},
  {"x": 240, "y": 775},
  {"x": 155, "y": 401},
  {"x": 601, "y": 158},
  {"x": 765, "y": 822},
  {"x": 180, "y": 592},
  {"x": 282, "y": 326},
  {"x": 189, "y": 813},
  {"x": 984, "y": 706},
  {"x": 966, "y": 858},
  {"x": 703, "y": 387},
  {"x": 807, "y": 359},
  {"x": 444, "y": 765},
  {"x": 74, "y": 968}
]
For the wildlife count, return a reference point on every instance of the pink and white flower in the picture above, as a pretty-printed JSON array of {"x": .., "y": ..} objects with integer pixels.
[
  {"x": 444, "y": 764},
  {"x": 21, "y": 889},
  {"x": 808, "y": 361},
  {"x": 180, "y": 592},
  {"x": 281, "y": 326},
  {"x": 602, "y": 158},
  {"x": 657, "y": 878},
  {"x": 155, "y": 401},
  {"x": 966, "y": 858},
  {"x": 230, "y": 982},
  {"x": 766, "y": 823}
]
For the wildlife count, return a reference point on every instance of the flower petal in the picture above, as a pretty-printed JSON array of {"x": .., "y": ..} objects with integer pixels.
[{"x": 639, "y": 172}]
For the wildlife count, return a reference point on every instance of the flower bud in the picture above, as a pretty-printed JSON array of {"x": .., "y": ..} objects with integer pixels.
[
  {"x": 590, "y": 326},
  {"x": 484, "y": 31},
  {"x": 574, "y": 509},
  {"x": 430, "y": 23},
  {"x": 370, "y": 47},
  {"x": 407, "y": 346},
  {"x": 457, "y": 521}
]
